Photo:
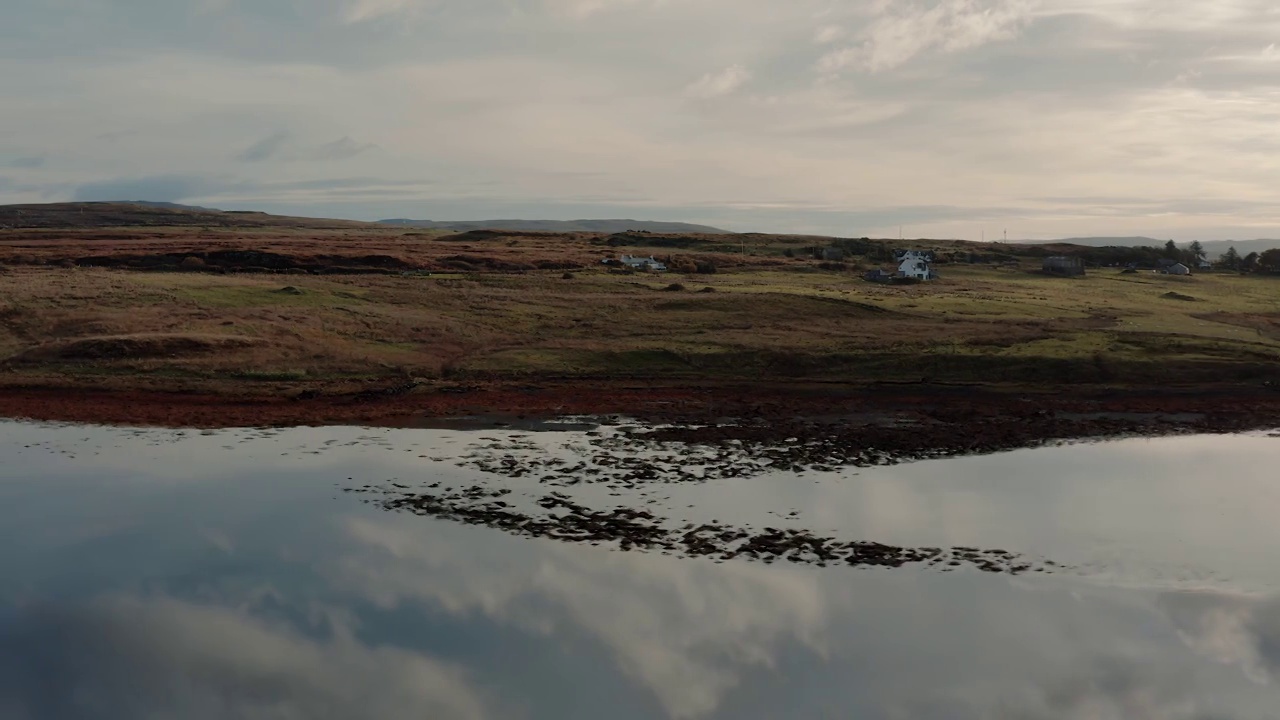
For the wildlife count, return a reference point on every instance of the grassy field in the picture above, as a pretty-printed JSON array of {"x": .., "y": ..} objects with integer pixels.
[{"x": 784, "y": 320}]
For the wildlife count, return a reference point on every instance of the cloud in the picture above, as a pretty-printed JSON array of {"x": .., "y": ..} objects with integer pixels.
[
  {"x": 901, "y": 31},
  {"x": 281, "y": 146},
  {"x": 341, "y": 149},
  {"x": 719, "y": 83},
  {"x": 359, "y": 11},
  {"x": 828, "y": 34},
  {"x": 25, "y": 162},
  {"x": 680, "y": 632},
  {"x": 1242, "y": 632},
  {"x": 266, "y": 148},
  {"x": 127, "y": 657}
]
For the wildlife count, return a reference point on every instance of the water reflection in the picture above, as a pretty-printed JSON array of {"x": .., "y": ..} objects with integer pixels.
[
  {"x": 135, "y": 657},
  {"x": 165, "y": 582}
]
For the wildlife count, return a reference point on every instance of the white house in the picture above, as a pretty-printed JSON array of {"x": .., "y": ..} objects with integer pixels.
[
  {"x": 915, "y": 264},
  {"x": 640, "y": 263}
]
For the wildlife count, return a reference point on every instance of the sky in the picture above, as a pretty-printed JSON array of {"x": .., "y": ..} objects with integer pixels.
[{"x": 933, "y": 118}]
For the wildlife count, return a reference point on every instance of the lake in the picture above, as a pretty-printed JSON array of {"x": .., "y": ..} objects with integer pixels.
[{"x": 298, "y": 573}]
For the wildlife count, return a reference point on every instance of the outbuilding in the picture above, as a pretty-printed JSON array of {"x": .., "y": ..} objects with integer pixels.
[
  {"x": 1063, "y": 265},
  {"x": 1178, "y": 269}
]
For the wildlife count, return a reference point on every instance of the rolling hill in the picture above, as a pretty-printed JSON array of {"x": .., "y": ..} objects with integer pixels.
[{"x": 143, "y": 214}]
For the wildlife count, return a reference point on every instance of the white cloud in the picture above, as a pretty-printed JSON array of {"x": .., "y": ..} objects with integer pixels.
[
  {"x": 364, "y": 10},
  {"x": 828, "y": 34},
  {"x": 720, "y": 83},
  {"x": 686, "y": 635},
  {"x": 899, "y": 32}
]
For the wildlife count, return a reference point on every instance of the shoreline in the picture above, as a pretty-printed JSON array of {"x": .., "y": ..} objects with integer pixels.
[{"x": 901, "y": 419}]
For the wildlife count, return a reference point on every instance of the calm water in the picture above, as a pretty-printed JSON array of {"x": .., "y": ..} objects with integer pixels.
[{"x": 162, "y": 574}]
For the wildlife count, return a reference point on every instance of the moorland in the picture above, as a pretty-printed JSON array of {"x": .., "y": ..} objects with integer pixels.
[{"x": 109, "y": 309}]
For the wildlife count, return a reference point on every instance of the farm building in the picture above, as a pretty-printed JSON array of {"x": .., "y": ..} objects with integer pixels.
[
  {"x": 915, "y": 265},
  {"x": 1064, "y": 265},
  {"x": 1178, "y": 269},
  {"x": 878, "y": 275},
  {"x": 638, "y": 263}
]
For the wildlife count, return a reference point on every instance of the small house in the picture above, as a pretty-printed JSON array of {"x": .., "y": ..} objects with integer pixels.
[
  {"x": 915, "y": 265},
  {"x": 641, "y": 263},
  {"x": 878, "y": 275},
  {"x": 1064, "y": 265},
  {"x": 1178, "y": 269}
]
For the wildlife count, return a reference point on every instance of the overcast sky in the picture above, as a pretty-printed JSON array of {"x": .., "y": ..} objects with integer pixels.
[{"x": 950, "y": 118}]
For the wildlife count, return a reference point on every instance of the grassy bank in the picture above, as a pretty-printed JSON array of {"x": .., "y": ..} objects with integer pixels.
[{"x": 787, "y": 321}]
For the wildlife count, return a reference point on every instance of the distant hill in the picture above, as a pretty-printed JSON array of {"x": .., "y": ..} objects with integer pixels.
[
  {"x": 144, "y": 214},
  {"x": 600, "y": 226},
  {"x": 1215, "y": 248},
  {"x": 1212, "y": 248},
  {"x": 172, "y": 206},
  {"x": 1137, "y": 241}
]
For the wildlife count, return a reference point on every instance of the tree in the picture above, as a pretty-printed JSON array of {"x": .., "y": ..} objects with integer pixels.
[
  {"x": 1249, "y": 262},
  {"x": 1196, "y": 250},
  {"x": 1171, "y": 250},
  {"x": 1269, "y": 261},
  {"x": 1230, "y": 259}
]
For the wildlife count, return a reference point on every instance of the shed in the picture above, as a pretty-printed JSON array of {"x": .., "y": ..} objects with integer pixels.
[
  {"x": 1064, "y": 265},
  {"x": 878, "y": 275},
  {"x": 1178, "y": 269}
]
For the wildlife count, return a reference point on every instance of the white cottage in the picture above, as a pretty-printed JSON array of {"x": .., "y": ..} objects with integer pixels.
[
  {"x": 915, "y": 264},
  {"x": 640, "y": 263}
]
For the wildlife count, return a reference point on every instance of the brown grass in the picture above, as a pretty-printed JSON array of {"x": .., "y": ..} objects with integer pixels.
[{"x": 768, "y": 316}]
